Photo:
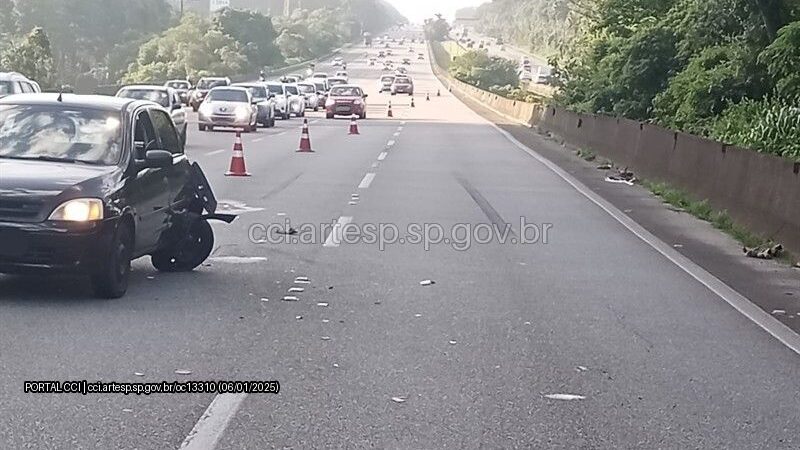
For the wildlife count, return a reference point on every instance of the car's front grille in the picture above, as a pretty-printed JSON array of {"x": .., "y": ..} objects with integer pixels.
[{"x": 11, "y": 208}]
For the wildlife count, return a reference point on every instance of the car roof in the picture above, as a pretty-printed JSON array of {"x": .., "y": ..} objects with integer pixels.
[
  {"x": 215, "y": 78},
  {"x": 337, "y": 79},
  {"x": 104, "y": 102},
  {"x": 178, "y": 81},
  {"x": 347, "y": 86},
  {"x": 246, "y": 85},
  {"x": 230, "y": 88},
  {"x": 13, "y": 76}
]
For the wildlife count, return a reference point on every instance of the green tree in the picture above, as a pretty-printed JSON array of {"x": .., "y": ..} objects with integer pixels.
[
  {"x": 255, "y": 34},
  {"x": 782, "y": 59},
  {"x": 479, "y": 69},
  {"x": 32, "y": 57},
  {"x": 436, "y": 29}
]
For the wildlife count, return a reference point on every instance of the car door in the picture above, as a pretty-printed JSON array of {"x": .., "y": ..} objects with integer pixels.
[
  {"x": 178, "y": 113},
  {"x": 179, "y": 174},
  {"x": 150, "y": 195}
]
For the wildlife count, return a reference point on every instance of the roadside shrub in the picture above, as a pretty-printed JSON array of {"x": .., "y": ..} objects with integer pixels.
[
  {"x": 479, "y": 69},
  {"x": 782, "y": 59},
  {"x": 762, "y": 125}
]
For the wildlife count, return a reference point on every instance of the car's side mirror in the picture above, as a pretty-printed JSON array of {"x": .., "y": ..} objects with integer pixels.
[
  {"x": 157, "y": 159},
  {"x": 176, "y": 106},
  {"x": 366, "y": 95},
  {"x": 271, "y": 95}
]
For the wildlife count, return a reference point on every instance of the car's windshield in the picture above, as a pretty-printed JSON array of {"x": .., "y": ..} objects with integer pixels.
[
  {"x": 401, "y": 80},
  {"x": 6, "y": 88},
  {"x": 306, "y": 88},
  {"x": 387, "y": 79},
  {"x": 259, "y": 92},
  {"x": 178, "y": 84},
  {"x": 210, "y": 83},
  {"x": 335, "y": 82},
  {"x": 71, "y": 134},
  {"x": 291, "y": 90},
  {"x": 156, "y": 96},
  {"x": 276, "y": 89},
  {"x": 346, "y": 91},
  {"x": 227, "y": 95},
  {"x": 320, "y": 87}
]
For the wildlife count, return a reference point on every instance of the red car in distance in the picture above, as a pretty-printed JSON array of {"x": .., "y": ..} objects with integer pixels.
[{"x": 346, "y": 100}]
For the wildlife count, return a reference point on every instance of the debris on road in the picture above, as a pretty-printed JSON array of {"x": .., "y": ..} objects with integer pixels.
[
  {"x": 239, "y": 259},
  {"x": 301, "y": 280},
  {"x": 399, "y": 399},
  {"x": 291, "y": 231},
  {"x": 453, "y": 342},
  {"x": 677, "y": 245},
  {"x": 298, "y": 317},
  {"x": 352, "y": 203},
  {"x": 604, "y": 166},
  {"x": 264, "y": 299},
  {"x": 326, "y": 338},
  {"x": 150, "y": 277},
  {"x": 127, "y": 410},
  {"x": 564, "y": 397},
  {"x": 417, "y": 315},
  {"x": 427, "y": 282},
  {"x": 763, "y": 252},
  {"x": 325, "y": 320},
  {"x": 623, "y": 176},
  {"x": 581, "y": 369},
  {"x": 335, "y": 365},
  {"x": 138, "y": 374},
  {"x": 290, "y": 298},
  {"x": 183, "y": 372},
  {"x": 323, "y": 304},
  {"x": 296, "y": 289},
  {"x": 778, "y": 312}
]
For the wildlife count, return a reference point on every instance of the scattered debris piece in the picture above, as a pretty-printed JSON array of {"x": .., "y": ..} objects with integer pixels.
[
  {"x": 762, "y": 252},
  {"x": 427, "y": 282},
  {"x": 290, "y": 298},
  {"x": 779, "y": 312},
  {"x": 527, "y": 323},
  {"x": 322, "y": 304},
  {"x": 325, "y": 320},
  {"x": 677, "y": 245},
  {"x": 622, "y": 176},
  {"x": 605, "y": 166},
  {"x": 352, "y": 203},
  {"x": 138, "y": 374},
  {"x": 453, "y": 342},
  {"x": 301, "y": 279},
  {"x": 565, "y": 397},
  {"x": 417, "y": 315},
  {"x": 150, "y": 277},
  {"x": 183, "y": 372},
  {"x": 127, "y": 410},
  {"x": 291, "y": 231},
  {"x": 330, "y": 288},
  {"x": 298, "y": 317},
  {"x": 281, "y": 214},
  {"x": 399, "y": 399},
  {"x": 296, "y": 289},
  {"x": 264, "y": 299},
  {"x": 326, "y": 338},
  {"x": 581, "y": 369},
  {"x": 377, "y": 302},
  {"x": 628, "y": 211}
]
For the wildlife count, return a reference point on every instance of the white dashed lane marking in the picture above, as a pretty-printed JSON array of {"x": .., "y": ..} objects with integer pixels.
[
  {"x": 367, "y": 180},
  {"x": 335, "y": 238},
  {"x": 382, "y": 156}
]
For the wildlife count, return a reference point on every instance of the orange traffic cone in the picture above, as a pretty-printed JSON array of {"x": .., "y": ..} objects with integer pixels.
[
  {"x": 237, "y": 160},
  {"x": 305, "y": 140},
  {"x": 354, "y": 125},
  {"x": 412, "y": 103},
  {"x": 389, "y": 114},
  {"x": 438, "y": 92},
  {"x": 427, "y": 97}
]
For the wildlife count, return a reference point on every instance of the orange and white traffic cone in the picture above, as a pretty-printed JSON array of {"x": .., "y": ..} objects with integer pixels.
[
  {"x": 438, "y": 92},
  {"x": 390, "y": 114},
  {"x": 305, "y": 140},
  {"x": 354, "y": 125},
  {"x": 237, "y": 168},
  {"x": 427, "y": 97},
  {"x": 412, "y": 103}
]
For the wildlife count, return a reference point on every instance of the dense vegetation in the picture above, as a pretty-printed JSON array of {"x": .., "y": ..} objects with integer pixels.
[
  {"x": 479, "y": 69},
  {"x": 726, "y": 69},
  {"x": 64, "y": 41}
]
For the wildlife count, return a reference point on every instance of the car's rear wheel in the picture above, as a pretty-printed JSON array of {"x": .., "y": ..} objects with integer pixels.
[
  {"x": 112, "y": 280},
  {"x": 316, "y": 108},
  {"x": 328, "y": 115},
  {"x": 189, "y": 253},
  {"x": 286, "y": 116},
  {"x": 201, "y": 127}
]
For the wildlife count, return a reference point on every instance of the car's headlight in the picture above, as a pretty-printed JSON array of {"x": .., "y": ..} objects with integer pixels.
[
  {"x": 243, "y": 113},
  {"x": 205, "y": 109},
  {"x": 79, "y": 210},
  {"x": 329, "y": 102},
  {"x": 358, "y": 101}
]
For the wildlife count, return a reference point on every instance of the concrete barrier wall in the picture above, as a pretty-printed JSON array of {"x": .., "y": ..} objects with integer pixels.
[{"x": 758, "y": 190}]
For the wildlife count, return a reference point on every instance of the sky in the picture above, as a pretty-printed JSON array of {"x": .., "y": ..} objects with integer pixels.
[{"x": 419, "y": 10}]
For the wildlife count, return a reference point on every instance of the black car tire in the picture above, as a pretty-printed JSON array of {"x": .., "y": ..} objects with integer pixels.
[
  {"x": 363, "y": 115},
  {"x": 271, "y": 122},
  {"x": 316, "y": 108},
  {"x": 286, "y": 116},
  {"x": 189, "y": 253},
  {"x": 329, "y": 116},
  {"x": 201, "y": 127},
  {"x": 112, "y": 280}
]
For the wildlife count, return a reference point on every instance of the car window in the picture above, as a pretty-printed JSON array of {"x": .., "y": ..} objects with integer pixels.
[
  {"x": 275, "y": 89},
  {"x": 291, "y": 90},
  {"x": 168, "y": 137},
  {"x": 144, "y": 136},
  {"x": 228, "y": 95},
  {"x": 346, "y": 91},
  {"x": 257, "y": 91},
  {"x": 306, "y": 88},
  {"x": 69, "y": 133},
  {"x": 26, "y": 87}
]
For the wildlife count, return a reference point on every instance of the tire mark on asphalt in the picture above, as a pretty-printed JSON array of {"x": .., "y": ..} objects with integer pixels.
[{"x": 485, "y": 206}]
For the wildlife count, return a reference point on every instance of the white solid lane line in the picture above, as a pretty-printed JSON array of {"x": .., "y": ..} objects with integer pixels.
[
  {"x": 335, "y": 238},
  {"x": 215, "y": 152},
  {"x": 212, "y": 424},
  {"x": 258, "y": 139},
  {"x": 382, "y": 156},
  {"x": 367, "y": 180}
]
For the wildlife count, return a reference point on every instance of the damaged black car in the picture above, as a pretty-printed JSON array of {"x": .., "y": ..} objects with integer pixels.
[{"x": 89, "y": 183}]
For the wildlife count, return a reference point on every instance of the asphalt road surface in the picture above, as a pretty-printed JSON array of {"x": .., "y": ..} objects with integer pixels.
[{"x": 592, "y": 339}]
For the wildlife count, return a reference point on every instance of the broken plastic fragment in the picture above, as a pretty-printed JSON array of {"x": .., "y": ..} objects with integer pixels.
[
  {"x": 426, "y": 282},
  {"x": 453, "y": 342},
  {"x": 138, "y": 374},
  {"x": 296, "y": 289},
  {"x": 335, "y": 365},
  {"x": 299, "y": 279},
  {"x": 326, "y": 338},
  {"x": 127, "y": 410},
  {"x": 779, "y": 312},
  {"x": 565, "y": 397},
  {"x": 323, "y": 304},
  {"x": 582, "y": 369},
  {"x": 264, "y": 299},
  {"x": 325, "y": 320},
  {"x": 399, "y": 399},
  {"x": 417, "y": 315},
  {"x": 183, "y": 372},
  {"x": 290, "y": 298},
  {"x": 298, "y": 317}
]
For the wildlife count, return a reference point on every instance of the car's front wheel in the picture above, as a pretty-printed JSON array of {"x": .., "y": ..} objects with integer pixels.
[
  {"x": 329, "y": 115},
  {"x": 189, "y": 253},
  {"x": 201, "y": 127},
  {"x": 112, "y": 280}
]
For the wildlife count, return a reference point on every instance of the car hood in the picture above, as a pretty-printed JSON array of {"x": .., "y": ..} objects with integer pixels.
[
  {"x": 345, "y": 99},
  {"x": 30, "y": 190}
]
